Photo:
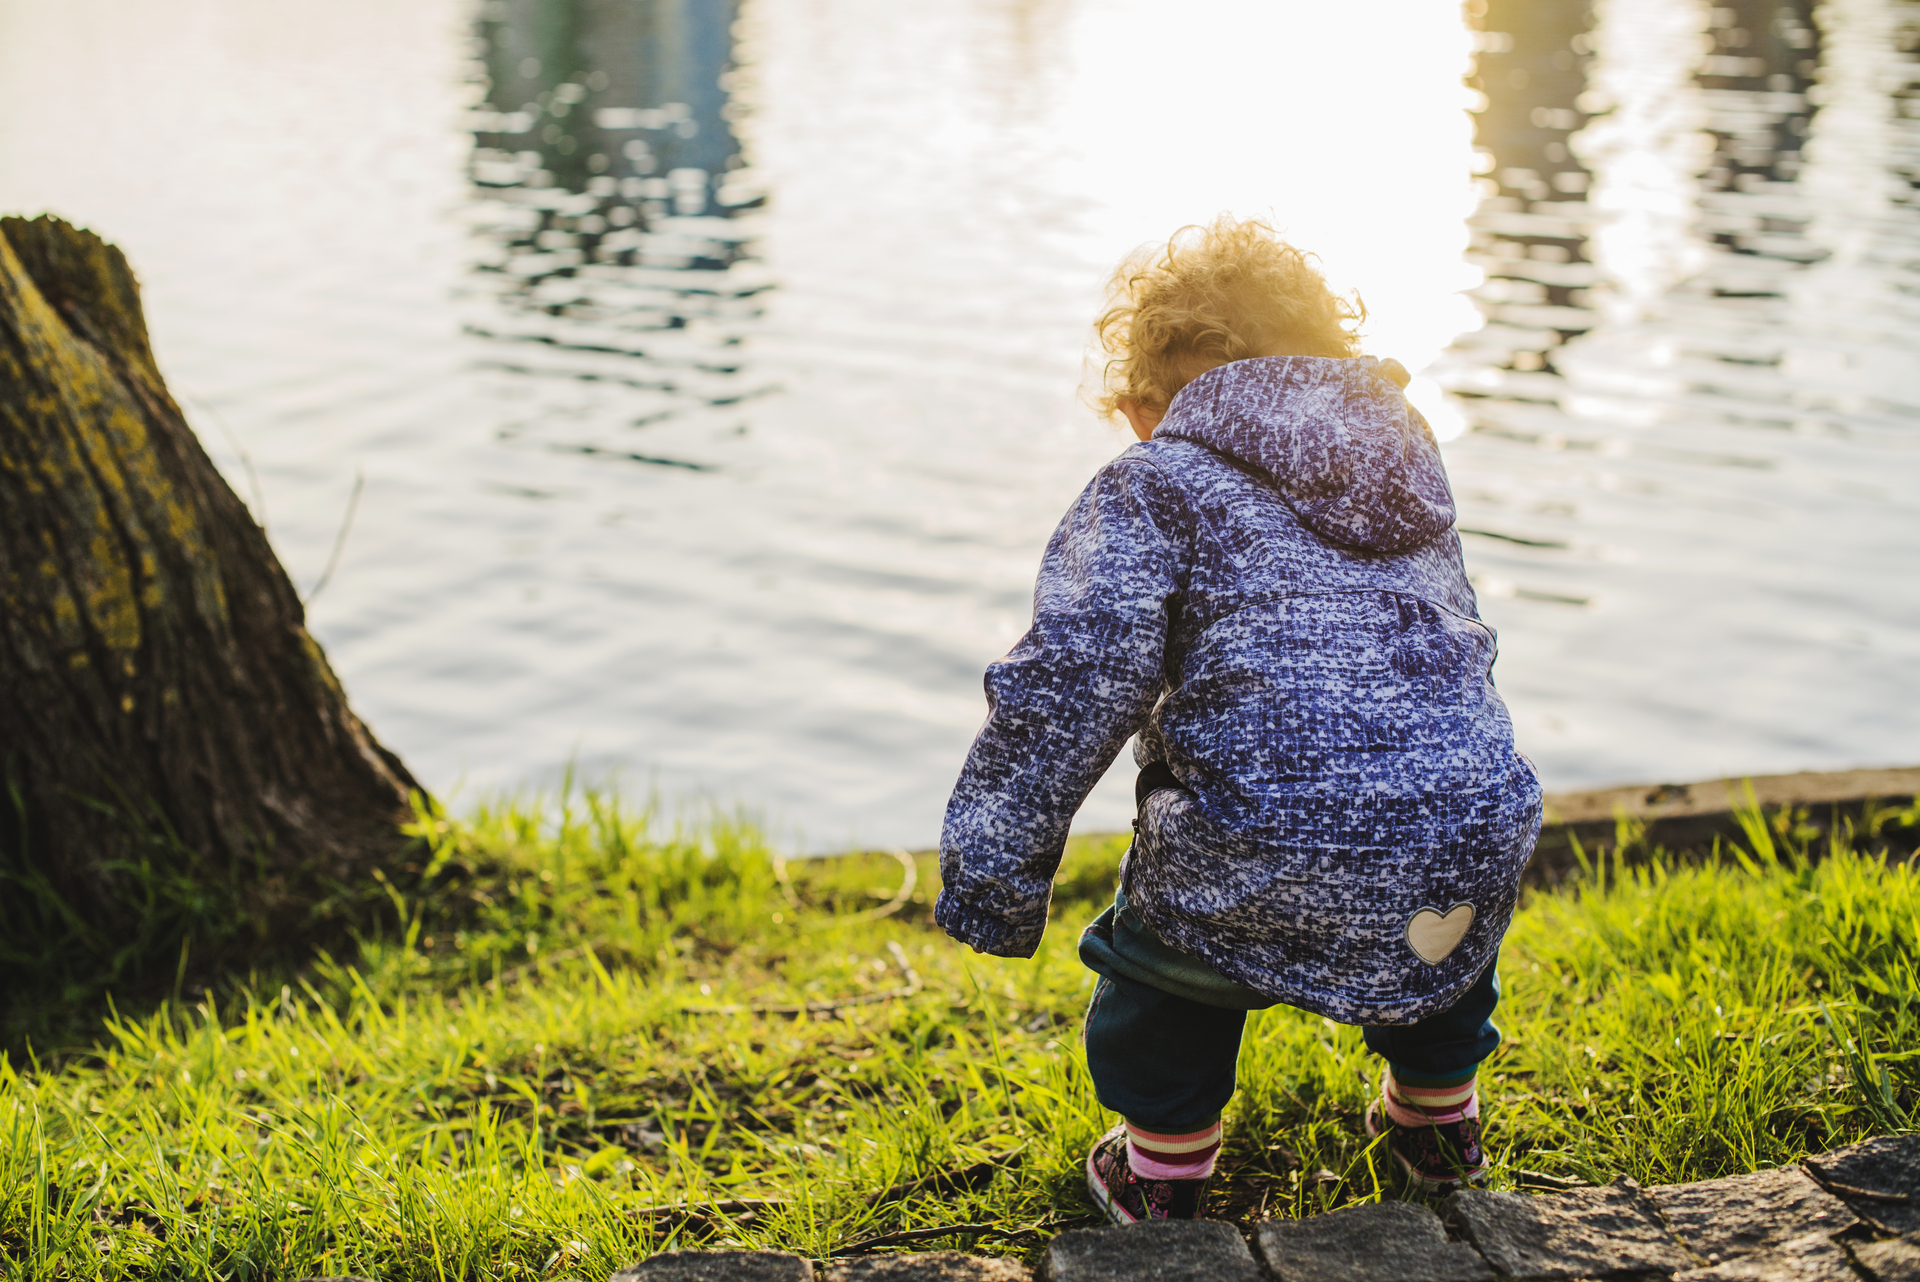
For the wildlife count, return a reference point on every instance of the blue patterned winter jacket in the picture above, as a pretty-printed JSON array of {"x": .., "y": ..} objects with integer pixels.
[{"x": 1270, "y": 593}]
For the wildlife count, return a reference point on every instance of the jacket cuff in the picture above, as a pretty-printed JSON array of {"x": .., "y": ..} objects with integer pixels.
[{"x": 983, "y": 931}]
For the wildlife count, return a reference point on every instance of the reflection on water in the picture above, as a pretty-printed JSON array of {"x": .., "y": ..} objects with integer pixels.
[
  {"x": 610, "y": 185},
  {"x": 797, "y": 550},
  {"x": 712, "y": 367},
  {"x": 1697, "y": 377}
]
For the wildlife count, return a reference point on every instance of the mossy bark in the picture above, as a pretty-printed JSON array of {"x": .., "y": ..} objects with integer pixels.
[{"x": 185, "y": 773}]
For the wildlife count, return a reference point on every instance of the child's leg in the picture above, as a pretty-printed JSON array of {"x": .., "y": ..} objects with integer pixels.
[
  {"x": 1166, "y": 1064},
  {"x": 1440, "y": 1056},
  {"x": 1430, "y": 1092}
]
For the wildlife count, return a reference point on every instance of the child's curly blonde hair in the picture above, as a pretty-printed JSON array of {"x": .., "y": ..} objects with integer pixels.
[{"x": 1224, "y": 292}]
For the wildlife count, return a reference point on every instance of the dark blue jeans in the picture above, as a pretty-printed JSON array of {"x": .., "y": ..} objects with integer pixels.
[{"x": 1165, "y": 1062}]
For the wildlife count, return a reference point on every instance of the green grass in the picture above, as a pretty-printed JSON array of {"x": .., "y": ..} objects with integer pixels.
[{"x": 561, "y": 1033}]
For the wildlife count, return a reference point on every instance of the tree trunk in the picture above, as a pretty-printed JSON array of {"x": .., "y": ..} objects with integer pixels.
[{"x": 186, "y": 778}]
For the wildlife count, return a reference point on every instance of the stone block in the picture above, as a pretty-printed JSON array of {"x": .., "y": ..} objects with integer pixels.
[
  {"x": 1579, "y": 1234},
  {"x": 1812, "y": 1258},
  {"x": 1160, "y": 1250},
  {"x": 1719, "y": 1219},
  {"x": 718, "y": 1266},
  {"x": 1879, "y": 1179},
  {"x": 929, "y": 1266},
  {"x": 1376, "y": 1242},
  {"x": 1895, "y": 1261}
]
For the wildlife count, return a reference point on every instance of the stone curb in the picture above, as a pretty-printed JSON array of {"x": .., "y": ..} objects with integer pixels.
[
  {"x": 1381, "y": 1239},
  {"x": 1687, "y": 817},
  {"x": 1852, "y": 1215}
]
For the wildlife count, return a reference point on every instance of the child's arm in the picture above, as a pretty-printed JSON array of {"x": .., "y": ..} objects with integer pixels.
[{"x": 1061, "y": 705}]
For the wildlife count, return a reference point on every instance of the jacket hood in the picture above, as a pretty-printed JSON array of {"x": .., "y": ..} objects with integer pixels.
[{"x": 1336, "y": 437}]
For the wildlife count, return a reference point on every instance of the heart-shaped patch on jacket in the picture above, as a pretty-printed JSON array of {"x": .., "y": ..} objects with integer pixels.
[{"x": 1433, "y": 934}]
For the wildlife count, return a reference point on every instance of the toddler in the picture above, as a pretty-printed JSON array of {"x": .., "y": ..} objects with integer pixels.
[{"x": 1268, "y": 591}]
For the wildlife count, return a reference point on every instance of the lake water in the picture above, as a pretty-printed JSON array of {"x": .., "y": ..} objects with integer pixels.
[{"x": 700, "y": 379}]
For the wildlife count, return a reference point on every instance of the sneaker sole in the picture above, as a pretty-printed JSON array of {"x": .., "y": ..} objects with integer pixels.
[{"x": 1102, "y": 1195}]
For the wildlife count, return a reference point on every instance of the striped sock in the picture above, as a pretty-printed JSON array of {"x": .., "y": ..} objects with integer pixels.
[
  {"x": 1424, "y": 1105},
  {"x": 1155, "y": 1155}
]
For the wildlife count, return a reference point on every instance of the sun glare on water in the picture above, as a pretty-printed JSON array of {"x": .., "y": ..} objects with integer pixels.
[{"x": 1347, "y": 125}]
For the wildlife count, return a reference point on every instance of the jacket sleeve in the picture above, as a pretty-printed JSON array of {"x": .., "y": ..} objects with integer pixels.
[{"x": 1061, "y": 705}]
